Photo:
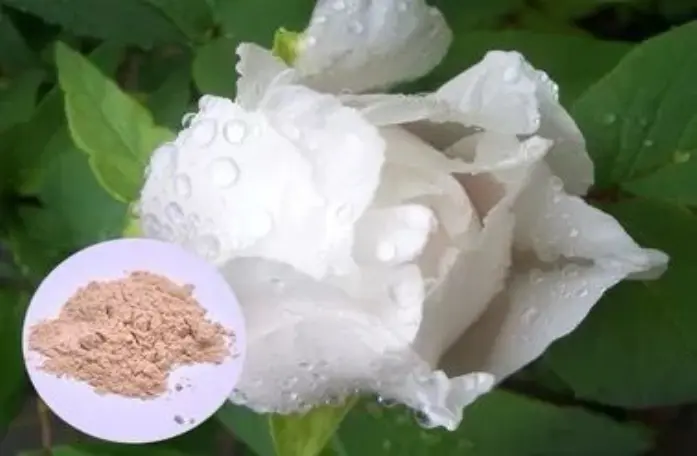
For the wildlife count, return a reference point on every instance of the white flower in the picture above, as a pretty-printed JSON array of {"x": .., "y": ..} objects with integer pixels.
[{"x": 422, "y": 248}]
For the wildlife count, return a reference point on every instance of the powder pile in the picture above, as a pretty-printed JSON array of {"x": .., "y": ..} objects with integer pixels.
[{"x": 125, "y": 336}]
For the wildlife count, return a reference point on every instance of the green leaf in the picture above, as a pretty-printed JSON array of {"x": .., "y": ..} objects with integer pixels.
[
  {"x": 201, "y": 441},
  {"x": 468, "y": 16},
  {"x": 75, "y": 213},
  {"x": 573, "y": 62},
  {"x": 570, "y": 9},
  {"x": 169, "y": 102},
  {"x": 135, "y": 22},
  {"x": 193, "y": 18},
  {"x": 499, "y": 423},
  {"x": 214, "y": 68},
  {"x": 640, "y": 120},
  {"x": 258, "y": 20},
  {"x": 14, "y": 383},
  {"x": 251, "y": 428},
  {"x": 15, "y": 53},
  {"x": 307, "y": 434},
  {"x": 18, "y": 99},
  {"x": 23, "y": 149},
  {"x": 638, "y": 347},
  {"x": 115, "y": 131}
]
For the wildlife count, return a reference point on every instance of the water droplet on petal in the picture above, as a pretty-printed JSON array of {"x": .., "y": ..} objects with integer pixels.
[
  {"x": 536, "y": 276},
  {"x": 582, "y": 293},
  {"x": 202, "y": 133},
  {"x": 319, "y": 20},
  {"x": 310, "y": 41},
  {"x": 174, "y": 213},
  {"x": 339, "y": 5},
  {"x": 182, "y": 185},
  {"x": 223, "y": 172},
  {"x": 681, "y": 157},
  {"x": 235, "y": 131},
  {"x": 573, "y": 233},
  {"x": 556, "y": 183},
  {"x": 609, "y": 118},
  {"x": 277, "y": 283},
  {"x": 529, "y": 315},
  {"x": 386, "y": 402}
]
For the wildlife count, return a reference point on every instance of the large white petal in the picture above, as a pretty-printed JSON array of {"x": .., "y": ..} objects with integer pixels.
[
  {"x": 569, "y": 254},
  {"x": 285, "y": 182},
  {"x": 310, "y": 342},
  {"x": 504, "y": 93},
  {"x": 359, "y": 45},
  {"x": 258, "y": 71}
]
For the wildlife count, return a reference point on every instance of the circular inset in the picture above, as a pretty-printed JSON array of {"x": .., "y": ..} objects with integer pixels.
[{"x": 194, "y": 392}]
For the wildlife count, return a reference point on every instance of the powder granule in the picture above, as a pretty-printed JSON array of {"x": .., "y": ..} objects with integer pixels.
[{"x": 125, "y": 336}]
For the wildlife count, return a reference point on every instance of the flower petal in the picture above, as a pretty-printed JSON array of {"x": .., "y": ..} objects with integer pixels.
[
  {"x": 285, "y": 182},
  {"x": 310, "y": 342},
  {"x": 580, "y": 253},
  {"x": 258, "y": 70},
  {"x": 504, "y": 93},
  {"x": 359, "y": 45}
]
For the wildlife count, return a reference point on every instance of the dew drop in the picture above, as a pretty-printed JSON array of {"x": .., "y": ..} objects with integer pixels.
[
  {"x": 319, "y": 20},
  {"x": 609, "y": 118},
  {"x": 573, "y": 233},
  {"x": 310, "y": 41},
  {"x": 536, "y": 276},
  {"x": 681, "y": 157},
  {"x": 174, "y": 213},
  {"x": 529, "y": 315},
  {"x": 556, "y": 183},
  {"x": 277, "y": 283},
  {"x": 235, "y": 131},
  {"x": 582, "y": 293},
  {"x": 339, "y": 5},
  {"x": 648, "y": 143},
  {"x": 223, "y": 172},
  {"x": 202, "y": 133},
  {"x": 356, "y": 27},
  {"x": 182, "y": 185},
  {"x": 386, "y": 402}
]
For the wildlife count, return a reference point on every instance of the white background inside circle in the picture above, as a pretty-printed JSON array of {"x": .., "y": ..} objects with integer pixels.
[{"x": 128, "y": 420}]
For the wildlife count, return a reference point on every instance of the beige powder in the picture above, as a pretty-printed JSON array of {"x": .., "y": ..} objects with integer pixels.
[{"x": 125, "y": 336}]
